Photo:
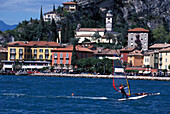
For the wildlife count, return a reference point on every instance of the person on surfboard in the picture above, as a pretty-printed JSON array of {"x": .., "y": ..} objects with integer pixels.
[{"x": 121, "y": 87}]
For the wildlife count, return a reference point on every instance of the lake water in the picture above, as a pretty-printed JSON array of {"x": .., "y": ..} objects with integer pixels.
[{"x": 48, "y": 95}]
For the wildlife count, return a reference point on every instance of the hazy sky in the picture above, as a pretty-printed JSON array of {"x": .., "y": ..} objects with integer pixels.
[{"x": 15, "y": 11}]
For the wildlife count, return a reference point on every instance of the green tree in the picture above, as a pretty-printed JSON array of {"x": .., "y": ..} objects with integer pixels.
[
  {"x": 159, "y": 34},
  {"x": 53, "y": 7},
  {"x": 54, "y": 30},
  {"x": 110, "y": 36},
  {"x": 74, "y": 42},
  {"x": 96, "y": 36},
  {"x": 59, "y": 9}
]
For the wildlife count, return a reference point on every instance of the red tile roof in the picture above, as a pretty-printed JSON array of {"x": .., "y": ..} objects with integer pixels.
[
  {"x": 127, "y": 49},
  {"x": 69, "y": 3},
  {"x": 70, "y": 48},
  {"x": 34, "y": 43},
  {"x": 138, "y": 30},
  {"x": 135, "y": 52},
  {"x": 159, "y": 46},
  {"x": 92, "y": 29},
  {"x": 165, "y": 50},
  {"x": 100, "y": 51}
]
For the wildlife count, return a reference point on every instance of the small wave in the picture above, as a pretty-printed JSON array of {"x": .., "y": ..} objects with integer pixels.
[
  {"x": 83, "y": 97},
  {"x": 13, "y": 94}
]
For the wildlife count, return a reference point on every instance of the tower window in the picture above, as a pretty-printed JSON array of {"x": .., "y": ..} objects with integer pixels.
[
  {"x": 108, "y": 18},
  {"x": 108, "y": 21}
]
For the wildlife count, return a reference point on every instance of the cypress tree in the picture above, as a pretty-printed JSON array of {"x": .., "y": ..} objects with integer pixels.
[
  {"x": 53, "y": 7},
  {"x": 41, "y": 17}
]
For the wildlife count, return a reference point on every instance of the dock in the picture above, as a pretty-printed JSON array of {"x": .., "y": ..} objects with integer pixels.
[{"x": 101, "y": 76}]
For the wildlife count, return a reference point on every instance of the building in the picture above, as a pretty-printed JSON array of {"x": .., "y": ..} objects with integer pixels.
[
  {"x": 101, "y": 53},
  {"x": 70, "y": 6},
  {"x": 62, "y": 56},
  {"x": 52, "y": 15},
  {"x": 3, "y": 54},
  {"x": 135, "y": 58},
  {"x": 164, "y": 58},
  {"x": 159, "y": 46},
  {"x": 151, "y": 59},
  {"x": 88, "y": 34},
  {"x": 25, "y": 65},
  {"x": 124, "y": 52},
  {"x": 143, "y": 36},
  {"x": 37, "y": 50}
]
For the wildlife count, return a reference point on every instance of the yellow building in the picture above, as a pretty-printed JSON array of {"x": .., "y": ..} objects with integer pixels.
[
  {"x": 135, "y": 58},
  {"x": 70, "y": 6},
  {"x": 164, "y": 58},
  {"x": 37, "y": 50}
]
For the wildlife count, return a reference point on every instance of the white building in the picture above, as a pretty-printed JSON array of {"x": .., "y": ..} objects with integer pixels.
[
  {"x": 87, "y": 34},
  {"x": 29, "y": 65},
  {"x": 143, "y": 36},
  {"x": 49, "y": 15}
]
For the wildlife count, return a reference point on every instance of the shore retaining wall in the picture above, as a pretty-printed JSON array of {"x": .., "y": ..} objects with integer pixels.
[{"x": 102, "y": 76}]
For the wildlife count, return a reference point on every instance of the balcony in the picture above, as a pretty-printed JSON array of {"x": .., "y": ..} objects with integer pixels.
[
  {"x": 46, "y": 52},
  {"x": 35, "y": 52},
  {"x": 20, "y": 52},
  {"x": 61, "y": 57},
  {"x": 67, "y": 57},
  {"x": 13, "y": 52},
  {"x": 55, "y": 57}
]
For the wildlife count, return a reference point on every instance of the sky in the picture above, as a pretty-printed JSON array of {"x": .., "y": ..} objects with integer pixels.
[{"x": 15, "y": 11}]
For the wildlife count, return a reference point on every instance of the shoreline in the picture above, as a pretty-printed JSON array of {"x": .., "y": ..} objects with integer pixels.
[{"x": 101, "y": 76}]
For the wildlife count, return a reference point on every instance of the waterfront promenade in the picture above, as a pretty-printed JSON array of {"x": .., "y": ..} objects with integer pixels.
[{"x": 101, "y": 76}]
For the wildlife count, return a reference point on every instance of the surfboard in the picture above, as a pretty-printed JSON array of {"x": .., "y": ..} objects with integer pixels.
[{"x": 132, "y": 98}]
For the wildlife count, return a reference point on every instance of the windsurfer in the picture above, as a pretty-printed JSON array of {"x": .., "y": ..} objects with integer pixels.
[{"x": 121, "y": 87}]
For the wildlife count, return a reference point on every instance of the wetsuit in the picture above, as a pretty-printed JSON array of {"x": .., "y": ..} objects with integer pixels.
[{"x": 123, "y": 91}]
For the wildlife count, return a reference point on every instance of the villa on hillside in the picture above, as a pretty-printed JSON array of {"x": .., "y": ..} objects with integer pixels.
[
  {"x": 52, "y": 15},
  {"x": 70, "y": 6}
]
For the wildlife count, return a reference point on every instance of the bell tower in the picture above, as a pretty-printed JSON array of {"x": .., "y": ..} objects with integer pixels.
[{"x": 109, "y": 20}]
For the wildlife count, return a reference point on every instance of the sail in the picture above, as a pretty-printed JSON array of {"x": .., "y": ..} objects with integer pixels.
[{"x": 119, "y": 77}]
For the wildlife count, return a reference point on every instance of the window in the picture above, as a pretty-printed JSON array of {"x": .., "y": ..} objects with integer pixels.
[
  {"x": 55, "y": 55},
  {"x": 12, "y": 56},
  {"x": 20, "y": 57},
  {"x": 35, "y": 56},
  {"x": 41, "y": 57},
  {"x": 61, "y": 55},
  {"x": 21, "y": 51},
  {"x": 122, "y": 55},
  {"x": 66, "y": 61},
  {"x": 72, "y": 5},
  {"x": 166, "y": 60},
  {"x": 166, "y": 53},
  {"x": 46, "y": 51},
  {"x": 35, "y": 51},
  {"x": 67, "y": 55},
  {"x": 131, "y": 38},
  {"x": 61, "y": 61},
  {"x": 108, "y": 18},
  {"x": 41, "y": 50},
  {"x": 55, "y": 60},
  {"x": 46, "y": 56},
  {"x": 166, "y": 67}
]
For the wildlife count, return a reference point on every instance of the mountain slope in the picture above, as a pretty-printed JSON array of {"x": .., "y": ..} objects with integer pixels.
[{"x": 4, "y": 26}]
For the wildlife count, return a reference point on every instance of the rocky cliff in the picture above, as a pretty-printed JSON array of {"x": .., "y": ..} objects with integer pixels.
[{"x": 134, "y": 12}]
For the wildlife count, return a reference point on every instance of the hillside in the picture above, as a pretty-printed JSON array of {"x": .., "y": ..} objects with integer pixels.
[
  {"x": 135, "y": 12},
  {"x": 4, "y": 26}
]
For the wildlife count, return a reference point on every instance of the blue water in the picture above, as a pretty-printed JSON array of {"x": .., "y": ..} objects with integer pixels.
[{"x": 48, "y": 95}]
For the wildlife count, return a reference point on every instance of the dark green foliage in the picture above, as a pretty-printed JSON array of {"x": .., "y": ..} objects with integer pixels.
[
  {"x": 93, "y": 65},
  {"x": 59, "y": 9},
  {"x": 53, "y": 7},
  {"x": 138, "y": 42},
  {"x": 54, "y": 31},
  {"x": 74, "y": 42}
]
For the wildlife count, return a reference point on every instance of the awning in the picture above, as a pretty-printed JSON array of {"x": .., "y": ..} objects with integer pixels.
[
  {"x": 146, "y": 72},
  {"x": 140, "y": 72}
]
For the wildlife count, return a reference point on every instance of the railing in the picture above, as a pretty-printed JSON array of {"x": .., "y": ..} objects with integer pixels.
[{"x": 12, "y": 51}]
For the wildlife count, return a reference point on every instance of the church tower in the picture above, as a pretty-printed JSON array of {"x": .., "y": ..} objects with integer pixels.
[{"x": 109, "y": 20}]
